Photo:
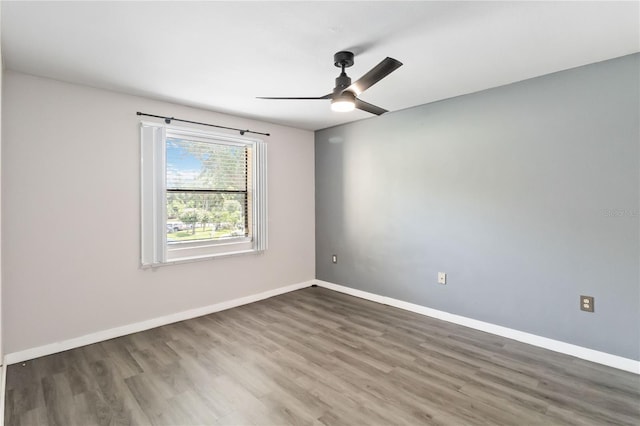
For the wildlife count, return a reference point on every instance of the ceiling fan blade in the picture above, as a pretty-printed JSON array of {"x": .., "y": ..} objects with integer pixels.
[
  {"x": 365, "y": 106},
  {"x": 377, "y": 73},
  {"x": 304, "y": 99}
]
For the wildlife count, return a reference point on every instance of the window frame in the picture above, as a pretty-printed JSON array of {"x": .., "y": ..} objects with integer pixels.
[{"x": 155, "y": 250}]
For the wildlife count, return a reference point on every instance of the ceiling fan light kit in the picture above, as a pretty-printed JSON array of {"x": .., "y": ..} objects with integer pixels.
[
  {"x": 344, "y": 97},
  {"x": 344, "y": 102}
]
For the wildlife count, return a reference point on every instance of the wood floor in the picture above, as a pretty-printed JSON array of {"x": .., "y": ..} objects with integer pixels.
[{"x": 315, "y": 357}]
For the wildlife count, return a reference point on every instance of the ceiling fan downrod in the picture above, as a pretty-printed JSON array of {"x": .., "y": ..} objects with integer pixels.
[{"x": 342, "y": 60}]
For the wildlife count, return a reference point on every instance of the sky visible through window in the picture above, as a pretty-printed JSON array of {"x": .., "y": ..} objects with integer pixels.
[{"x": 182, "y": 165}]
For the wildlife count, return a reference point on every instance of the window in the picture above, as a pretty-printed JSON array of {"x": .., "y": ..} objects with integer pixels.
[{"x": 203, "y": 194}]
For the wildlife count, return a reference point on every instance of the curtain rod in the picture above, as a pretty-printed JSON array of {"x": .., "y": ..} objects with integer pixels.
[{"x": 169, "y": 119}]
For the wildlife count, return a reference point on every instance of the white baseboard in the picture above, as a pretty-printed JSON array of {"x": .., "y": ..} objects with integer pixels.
[
  {"x": 604, "y": 358},
  {"x": 88, "y": 339},
  {"x": 532, "y": 339}
]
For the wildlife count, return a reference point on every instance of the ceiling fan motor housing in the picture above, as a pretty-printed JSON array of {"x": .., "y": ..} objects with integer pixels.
[{"x": 342, "y": 82}]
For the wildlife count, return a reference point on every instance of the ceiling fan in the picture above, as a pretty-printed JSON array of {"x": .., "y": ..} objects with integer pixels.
[{"x": 344, "y": 97}]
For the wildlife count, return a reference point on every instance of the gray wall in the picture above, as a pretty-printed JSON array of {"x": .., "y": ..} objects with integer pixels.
[{"x": 526, "y": 195}]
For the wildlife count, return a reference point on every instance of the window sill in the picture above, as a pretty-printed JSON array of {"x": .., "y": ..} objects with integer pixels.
[
  {"x": 201, "y": 258},
  {"x": 208, "y": 248}
]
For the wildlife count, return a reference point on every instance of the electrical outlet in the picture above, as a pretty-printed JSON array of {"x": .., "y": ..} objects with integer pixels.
[
  {"x": 334, "y": 258},
  {"x": 442, "y": 278},
  {"x": 586, "y": 303}
]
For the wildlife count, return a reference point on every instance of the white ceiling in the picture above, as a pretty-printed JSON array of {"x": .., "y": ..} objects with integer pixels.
[{"x": 221, "y": 55}]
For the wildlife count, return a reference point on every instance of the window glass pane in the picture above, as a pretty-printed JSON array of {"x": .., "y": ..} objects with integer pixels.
[
  {"x": 202, "y": 165},
  {"x": 197, "y": 216}
]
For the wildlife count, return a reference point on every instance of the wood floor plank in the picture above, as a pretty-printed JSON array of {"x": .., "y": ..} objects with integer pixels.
[
  {"x": 58, "y": 398},
  {"x": 116, "y": 394},
  {"x": 316, "y": 357},
  {"x": 36, "y": 416}
]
